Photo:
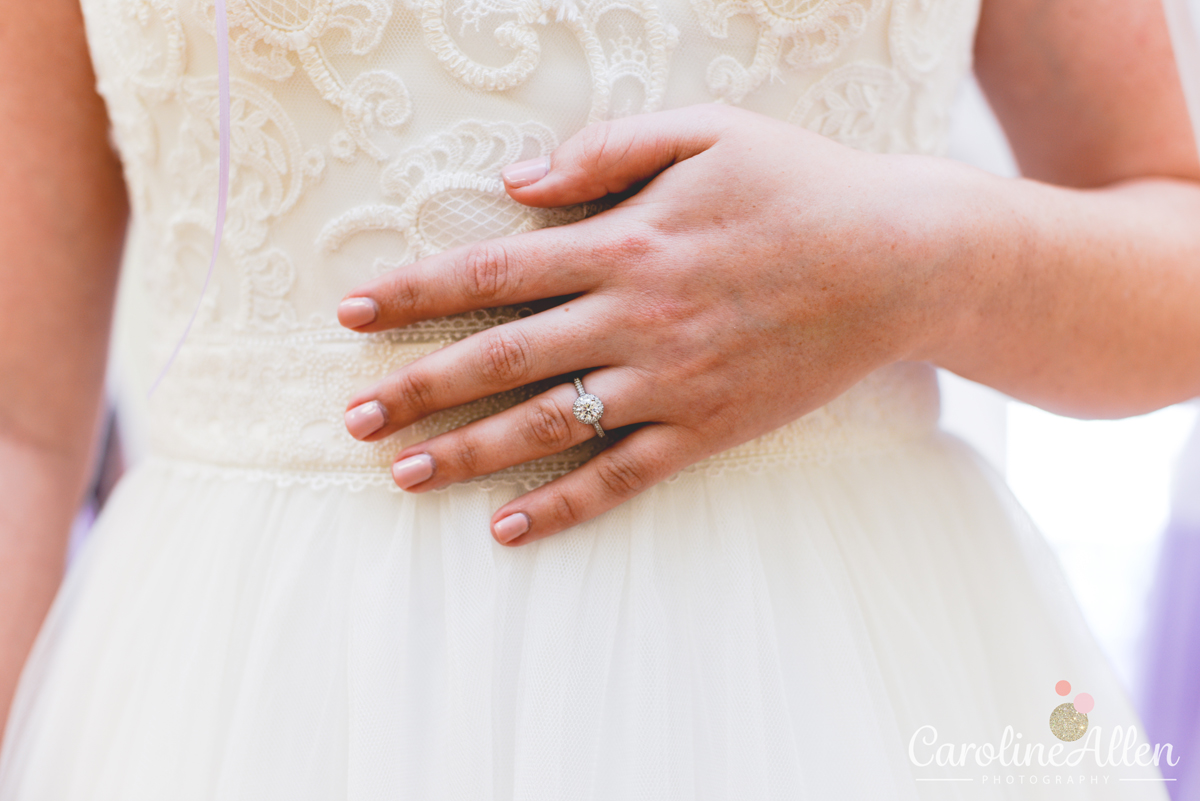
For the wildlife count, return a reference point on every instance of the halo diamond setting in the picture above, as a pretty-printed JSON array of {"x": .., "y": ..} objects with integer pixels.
[{"x": 588, "y": 409}]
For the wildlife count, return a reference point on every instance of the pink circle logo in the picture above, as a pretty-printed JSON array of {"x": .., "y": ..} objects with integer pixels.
[{"x": 1069, "y": 722}]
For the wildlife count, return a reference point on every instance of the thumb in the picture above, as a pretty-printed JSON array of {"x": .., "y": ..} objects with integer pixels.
[{"x": 609, "y": 157}]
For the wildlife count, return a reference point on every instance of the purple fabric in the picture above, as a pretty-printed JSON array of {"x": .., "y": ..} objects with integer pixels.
[
  {"x": 222, "y": 33},
  {"x": 1171, "y": 682}
]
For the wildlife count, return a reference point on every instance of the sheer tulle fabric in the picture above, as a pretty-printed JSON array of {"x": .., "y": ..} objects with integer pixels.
[{"x": 779, "y": 635}]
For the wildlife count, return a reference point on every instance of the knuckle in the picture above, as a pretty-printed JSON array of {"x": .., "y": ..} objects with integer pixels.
[
  {"x": 506, "y": 357},
  {"x": 678, "y": 325},
  {"x": 467, "y": 456},
  {"x": 633, "y": 244},
  {"x": 718, "y": 116},
  {"x": 620, "y": 476},
  {"x": 604, "y": 147},
  {"x": 723, "y": 420},
  {"x": 488, "y": 270},
  {"x": 563, "y": 508},
  {"x": 637, "y": 241},
  {"x": 595, "y": 140},
  {"x": 547, "y": 426},
  {"x": 417, "y": 391},
  {"x": 406, "y": 295},
  {"x": 718, "y": 111}
]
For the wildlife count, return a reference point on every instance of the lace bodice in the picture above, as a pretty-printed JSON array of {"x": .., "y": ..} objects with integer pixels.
[{"x": 369, "y": 133}]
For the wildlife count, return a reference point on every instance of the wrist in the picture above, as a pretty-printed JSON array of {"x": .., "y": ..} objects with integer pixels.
[{"x": 968, "y": 231}]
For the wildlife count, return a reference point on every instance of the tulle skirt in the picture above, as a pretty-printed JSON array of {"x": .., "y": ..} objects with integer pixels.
[{"x": 821, "y": 631}]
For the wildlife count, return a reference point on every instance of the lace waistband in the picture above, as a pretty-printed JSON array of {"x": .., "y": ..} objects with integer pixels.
[{"x": 274, "y": 405}]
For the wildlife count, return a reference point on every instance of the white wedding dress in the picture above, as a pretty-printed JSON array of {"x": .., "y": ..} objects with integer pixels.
[{"x": 261, "y": 614}]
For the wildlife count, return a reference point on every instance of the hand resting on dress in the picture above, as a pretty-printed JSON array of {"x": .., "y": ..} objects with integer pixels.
[
  {"x": 754, "y": 270},
  {"x": 762, "y": 271}
]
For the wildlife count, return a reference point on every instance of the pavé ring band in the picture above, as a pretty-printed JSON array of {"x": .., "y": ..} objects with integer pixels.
[{"x": 588, "y": 408}]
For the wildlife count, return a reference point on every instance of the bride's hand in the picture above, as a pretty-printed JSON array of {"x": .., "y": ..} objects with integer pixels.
[{"x": 761, "y": 272}]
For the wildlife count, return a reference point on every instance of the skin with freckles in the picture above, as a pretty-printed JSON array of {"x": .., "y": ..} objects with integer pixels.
[{"x": 755, "y": 271}]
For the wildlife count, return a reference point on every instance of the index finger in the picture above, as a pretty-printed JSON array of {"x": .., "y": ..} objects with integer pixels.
[{"x": 525, "y": 267}]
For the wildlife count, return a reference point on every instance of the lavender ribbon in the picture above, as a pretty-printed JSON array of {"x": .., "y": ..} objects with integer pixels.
[{"x": 222, "y": 33}]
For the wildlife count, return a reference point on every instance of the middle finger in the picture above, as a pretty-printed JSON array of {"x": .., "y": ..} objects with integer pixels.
[{"x": 554, "y": 342}]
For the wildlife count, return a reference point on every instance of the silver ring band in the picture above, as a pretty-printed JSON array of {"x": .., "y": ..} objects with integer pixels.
[{"x": 588, "y": 409}]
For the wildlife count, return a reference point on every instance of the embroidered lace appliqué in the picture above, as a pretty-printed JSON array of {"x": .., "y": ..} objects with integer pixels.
[
  {"x": 266, "y": 32},
  {"x": 269, "y": 169},
  {"x": 800, "y": 33},
  {"x": 449, "y": 193},
  {"x": 859, "y": 105},
  {"x": 643, "y": 58}
]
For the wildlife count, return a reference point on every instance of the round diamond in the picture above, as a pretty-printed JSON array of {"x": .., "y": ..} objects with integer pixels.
[{"x": 588, "y": 409}]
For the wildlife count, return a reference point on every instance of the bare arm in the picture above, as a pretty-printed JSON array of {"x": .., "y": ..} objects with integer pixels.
[
  {"x": 1086, "y": 287},
  {"x": 62, "y": 220}
]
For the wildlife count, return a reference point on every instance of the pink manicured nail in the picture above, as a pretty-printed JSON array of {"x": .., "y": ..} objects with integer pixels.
[
  {"x": 524, "y": 173},
  {"x": 511, "y": 527},
  {"x": 354, "y": 312},
  {"x": 365, "y": 420},
  {"x": 413, "y": 470}
]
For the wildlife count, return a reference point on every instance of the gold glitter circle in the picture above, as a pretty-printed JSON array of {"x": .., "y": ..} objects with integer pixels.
[{"x": 1068, "y": 724}]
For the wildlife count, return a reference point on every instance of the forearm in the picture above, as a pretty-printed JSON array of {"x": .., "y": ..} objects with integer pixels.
[
  {"x": 1082, "y": 302},
  {"x": 42, "y": 493}
]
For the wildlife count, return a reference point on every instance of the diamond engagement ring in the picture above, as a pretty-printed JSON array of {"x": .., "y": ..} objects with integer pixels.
[{"x": 588, "y": 408}]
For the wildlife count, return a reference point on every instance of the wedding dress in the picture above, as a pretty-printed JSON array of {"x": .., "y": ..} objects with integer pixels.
[{"x": 261, "y": 614}]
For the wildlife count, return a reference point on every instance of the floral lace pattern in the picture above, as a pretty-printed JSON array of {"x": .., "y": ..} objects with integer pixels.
[
  {"x": 922, "y": 34},
  {"x": 858, "y": 105},
  {"x": 643, "y": 60},
  {"x": 801, "y": 33},
  {"x": 450, "y": 193},
  {"x": 266, "y": 32},
  {"x": 367, "y": 134},
  {"x": 269, "y": 169}
]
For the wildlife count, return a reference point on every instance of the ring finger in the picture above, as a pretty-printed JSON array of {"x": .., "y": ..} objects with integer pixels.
[
  {"x": 553, "y": 342},
  {"x": 541, "y": 426}
]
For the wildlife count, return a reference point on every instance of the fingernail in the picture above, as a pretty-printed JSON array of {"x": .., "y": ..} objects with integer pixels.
[
  {"x": 354, "y": 312},
  {"x": 413, "y": 470},
  {"x": 511, "y": 527},
  {"x": 365, "y": 420},
  {"x": 524, "y": 173}
]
